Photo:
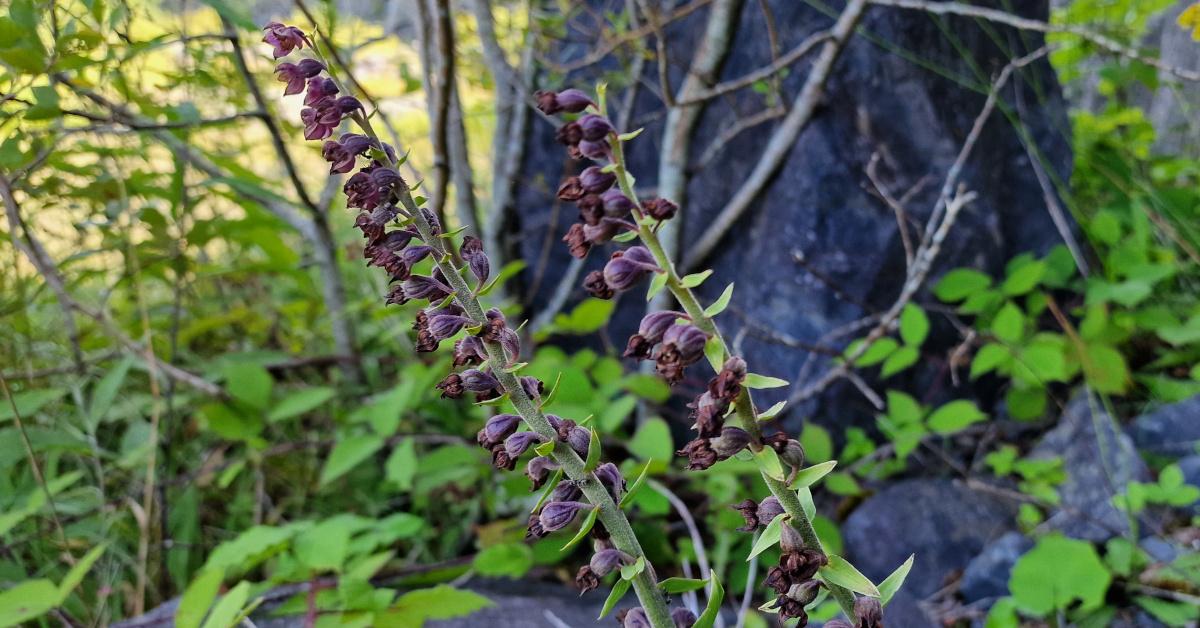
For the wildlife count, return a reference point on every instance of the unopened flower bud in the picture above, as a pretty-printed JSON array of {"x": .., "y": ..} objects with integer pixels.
[
  {"x": 611, "y": 478},
  {"x": 728, "y": 383},
  {"x": 791, "y": 453},
  {"x": 568, "y": 100},
  {"x": 496, "y": 429},
  {"x": 596, "y": 286},
  {"x": 731, "y": 441},
  {"x": 616, "y": 204},
  {"x": 868, "y": 612},
  {"x": 595, "y": 127},
  {"x": 595, "y": 180},
  {"x": 558, "y": 515},
  {"x": 687, "y": 340},
  {"x": 501, "y": 460},
  {"x": 635, "y": 618},
  {"x": 478, "y": 381},
  {"x": 804, "y": 592},
  {"x": 596, "y": 151},
  {"x": 605, "y": 561},
  {"x": 516, "y": 444},
  {"x": 472, "y": 252},
  {"x": 790, "y": 540},
  {"x": 469, "y": 350},
  {"x": 769, "y": 509},
  {"x": 683, "y": 617},
  {"x": 579, "y": 438},
  {"x": 569, "y": 134},
  {"x": 538, "y": 470},
  {"x": 566, "y": 491},
  {"x": 655, "y": 324},
  {"x": 443, "y": 326},
  {"x": 660, "y": 208},
  {"x": 628, "y": 267},
  {"x": 532, "y": 386},
  {"x": 422, "y": 287}
]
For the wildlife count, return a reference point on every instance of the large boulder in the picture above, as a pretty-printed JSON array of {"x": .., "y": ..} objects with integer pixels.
[
  {"x": 1099, "y": 460},
  {"x": 816, "y": 249},
  {"x": 1172, "y": 431}
]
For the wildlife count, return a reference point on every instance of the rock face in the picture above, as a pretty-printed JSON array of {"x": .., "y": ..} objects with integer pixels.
[
  {"x": 816, "y": 249},
  {"x": 1172, "y": 431},
  {"x": 987, "y": 575},
  {"x": 524, "y": 604},
  {"x": 1098, "y": 463},
  {"x": 943, "y": 522}
]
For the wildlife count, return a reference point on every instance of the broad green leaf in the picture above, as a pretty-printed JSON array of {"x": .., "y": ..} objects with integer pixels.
[
  {"x": 629, "y": 572},
  {"x": 876, "y": 353},
  {"x": 1106, "y": 369},
  {"x": 714, "y": 351},
  {"x": 78, "y": 571},
  {"x": 813, "y": 474},
  {"x": 28, "y": 600},
  {"x": 914, "y": 325},
  {"x": 954, "y": 416},
  {"x": 818, "y": 445},
  {"x": 1023, "y": 278},
  {"x": 715, "y": 597},
  {"x": 657, "y": 283},
  {"x": 1009, "y": 324},
  {"x": 637, "y": 484},
  {"x": 754, "y": 380},
  {"x": 106, "y": 390},
  {"x": 648, "y": 387},
  {"x": 620, "y": 588},
  {"x": 401, "y": 466},
  {"x": 248, "y": 548},
  {"x": 769, "y": 537},
  {"x": 893, "y": 582},
  {"x": 899, "y": 360},
  {"x": 440, "y": 602},
  {"x": 511, "y": 560},
  {"x": 347, "y": 454},
  {"x": 840, "y": 572},
  {"x": 1058, "y": 573},
  {"x": 806, "y": 502},
  {"x": 960, "y": 283},
  {"x": 300, "y": 402},
  {"x": 772, "y": 412},
  {"x": 652, "y": 440},
  {"x": 593, "y": 452},
  {"x": 198, "y": 597},
  {"x": 323, "y": 547},
  {"x": 770, "y": 464},
  {"x": 721, "y": 303},
  {"x": 584, "y": 529},
  {"x": 29, "y": 402},
  {"x": 226, "y": 610},
  {"x": 681, "y": 585},
  {"x": 249, "y": 383},
  {"x": 990, "y": 357}
]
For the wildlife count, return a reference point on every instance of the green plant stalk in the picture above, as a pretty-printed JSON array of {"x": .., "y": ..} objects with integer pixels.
[
  {"x": 645, "y": 584},
  {"x": 744, "y": 405}
]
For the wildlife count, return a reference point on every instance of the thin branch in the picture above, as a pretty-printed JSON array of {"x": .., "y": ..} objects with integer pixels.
[
  {"x": 1016, "y": 21},
  {"x": 689, "y": 522},
  {"x": 731, "y": 132},
  {"x": 778, "y": 65},
  {"x": 604, "y": 49},
  {"x": 437, "y": 61},
  {"x": 783, "y": 139}
]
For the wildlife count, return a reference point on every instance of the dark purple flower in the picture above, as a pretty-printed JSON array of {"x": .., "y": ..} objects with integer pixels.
[
  {"x": 683, "y": 617},
  {"x": 748, "y": 508},
  {"x": 532, "y": 386},
  {"x": 568, "y": 100},
  {"x": 569, "y": 134},
  {"x": 681, "y": 345},
  {"x": 296, "y": 74},
  {"x": 422, "y": 287},
  {"x": 604, "y": 230},
  {"x": 586, "y": 579},
  {"x": 731, "y": 441},
  {"x": 594, "y": 180},
  {"x": 469, "y": 350},
  {"x": 570, "y": 189},
  {"x": 699, "y": 453},
  {"x": 595, "y": 127},
  {"x": 443, "y": 326},
  {"x": 566, "y": 491},
  {"x": 451, "y": 386},
  {"x": 538, "y": 470},
  {"x": 650, "y": 332},
  {"x": 516, "y": 444},
  {"x": 319, "y": 88},
  {"x": 591, "y": 208},
  {"x": 579, "y": 438},
  {"x": 596, "y": 151},
  {"x": 611, "y": 478},
  {"x": 479, "y": 381},
  {"x": 628, "y": 267},
  {"x": 496, "y": 429},
  {"x": 577, "y": 243},
  {"x": 472, "y": 252},
  {"x": 607, "y": 560},
  {"x": 660, "y": 208},
  {"x": 868, "y": 612},
  {"x": 558, "y": 515},
  {"x": 596, "y": 286},
  {"x": 284, "y": 38},
  {"x": 341, "y": 153},
  {"x": 635, "y": 618}
]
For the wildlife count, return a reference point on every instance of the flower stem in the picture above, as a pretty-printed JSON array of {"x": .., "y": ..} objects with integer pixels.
[
  {"x": 744, "y": 404},
  {"x": 645, "y": 584}
]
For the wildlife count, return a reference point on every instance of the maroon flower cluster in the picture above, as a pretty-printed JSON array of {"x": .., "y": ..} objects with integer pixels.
[
  {"x": 714, "y": 441},
  {"x": 671, "y": 340},
  {"x": 636, "y": 618}
]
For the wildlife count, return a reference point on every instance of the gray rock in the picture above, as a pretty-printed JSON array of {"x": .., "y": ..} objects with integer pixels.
[
  {"x": 943, "y": 522},
  {"x": 1172, "y": 431},
  {"x": 526, "y": 604},
  {"x": 987, "y": 574},
  {"x": 1098, "y": 464}
]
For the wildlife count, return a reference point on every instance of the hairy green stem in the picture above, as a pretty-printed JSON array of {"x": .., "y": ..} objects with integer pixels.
[
  {"x": 645, "y": 584},
  {"x": 744, "y": 405}
]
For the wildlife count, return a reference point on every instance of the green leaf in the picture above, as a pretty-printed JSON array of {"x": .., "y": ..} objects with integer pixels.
[
  {"x": 681, "y": 585},
  {"x": 225, "y": 612},
  {"x": 235, "y": 13},
  {"x": 1009, "y": 324},
  {"x": 625, "y": 137},
  {"x": 657, "y": 283},
  {"x": 584, "y": 528},
  {"x": 769, "y": 537},
  {"x": 806, "y": 502},
  {"x": 892, "y": 583},
  {"x": 554, "y": 480},
  {"x": 106, "y": 390},
  {"x": 300, "y": 402},
  {"x": 1105, "y": 369},
  {"x": 1057, "y": 573},
  {"x": 713, "y": 608},
  {"x": 714, "y": 350},
  {"x": 347, "y": 454},
  {"x": 954, "y": 416},
  {"x": 876, "y": 353},
  {"x": 818, "y": 445},
  {"x": 496, "y": 401},
  {"x": 614, "y": 596},
  {"x": 1023, "y": 278},
  {"x": 770, "y": 464},
  {"x": 198, "y": 597},
  {"x": 28, "y": 600},
  {"x": 695, "y": 279},
  {"x": 721, "y": 303},
  {"x": 249, "y": 383},
  {"x": 637, "y": 484},
  {"x": 648, "y": 387},
  {"x": 772, "y": 412},
  {"x": 813, "y": 474},
  {"x": 754, "y": 380},
  {"x": 78, "y": 571},
  {"x": 401, "y": 466},
  {"x": 914, "y": 325},
  {"x": 440, "y": 602},
  {"x": 990, "y": 357},
  {"x": 899, "y": 360},
  {"x": 629, "y": 572},
  {"x": 511, "y": 560},
  {"x": 593, "y": 453},
  {"x": 840, "y": 572},
  {"x": 652, "y": 440},
  {"x": 29, "y": 402},
  {"x": 961, "y": 283},
  {"x": 553, "y": 394},
  {"x": 1025, "y": 403},
  {"x": 323, "y": 547}
]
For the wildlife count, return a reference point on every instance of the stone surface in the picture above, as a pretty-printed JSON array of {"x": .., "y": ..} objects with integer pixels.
[
  {"x": 943, "y": 522},
  {"x": 525, "y": 604},
  {"x": 1098, "y": 463},
  {"x": 816, "y": 205},
  {"x": 986, "y": 576},
  {"x": 1172, "y": 430}
]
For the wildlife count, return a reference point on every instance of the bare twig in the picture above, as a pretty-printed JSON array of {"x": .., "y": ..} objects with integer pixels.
[
  {"x": 783, "y": 139},
  {"x": 623, "y": 38},
  {"x": 778, "y": 65},
  {"x": 689, "y": 522}
]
